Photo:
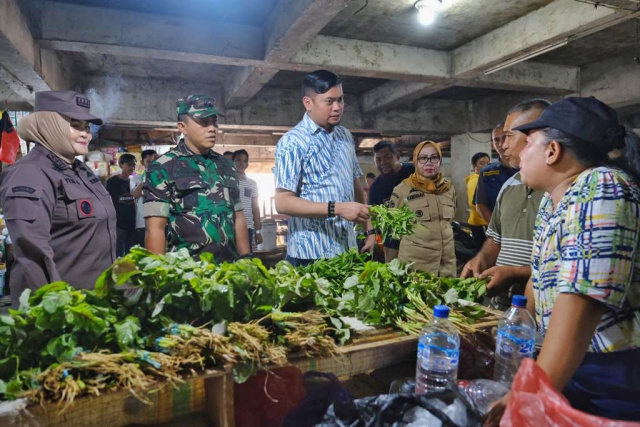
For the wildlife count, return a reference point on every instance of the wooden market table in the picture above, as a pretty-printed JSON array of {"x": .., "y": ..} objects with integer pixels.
[{"x": 212, "y": 391}]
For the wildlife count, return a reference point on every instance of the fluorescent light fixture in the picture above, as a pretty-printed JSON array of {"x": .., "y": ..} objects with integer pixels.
[
  {"x": 428, "y": 10},
  {"x": 526, "y": 56}
]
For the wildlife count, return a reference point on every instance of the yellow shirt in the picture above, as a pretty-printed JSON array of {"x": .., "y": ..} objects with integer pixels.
[{"x": 474, "y": 216}]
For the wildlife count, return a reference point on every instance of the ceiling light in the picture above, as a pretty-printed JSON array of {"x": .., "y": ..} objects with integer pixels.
[
  {"x": 521, "y": 58},
  {"x": 428, "y": 10}
]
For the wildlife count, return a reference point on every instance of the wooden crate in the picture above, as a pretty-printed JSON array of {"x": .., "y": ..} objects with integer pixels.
[
  {"x": 206, "y": 392},
  {"x": 212, "y": 392}
]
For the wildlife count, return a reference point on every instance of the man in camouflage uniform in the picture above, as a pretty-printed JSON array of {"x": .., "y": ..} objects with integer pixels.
[{"x": 195, "y": 190}]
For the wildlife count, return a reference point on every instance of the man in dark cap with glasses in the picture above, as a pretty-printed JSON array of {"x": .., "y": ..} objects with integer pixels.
[{"x": 195, "y": 191}]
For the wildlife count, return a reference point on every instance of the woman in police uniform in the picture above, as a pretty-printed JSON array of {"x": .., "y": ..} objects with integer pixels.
[
  {"x": 60, "y": 218},
  {"x": 432, "y": 199}
]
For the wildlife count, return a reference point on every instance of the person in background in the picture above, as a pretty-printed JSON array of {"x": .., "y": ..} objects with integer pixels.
[
  {"x": 476, "y": 222},
  {"x": 392, "y": 173},
  {"x": 249, "y": 196},
  {"x": 59, "y": 215},
  {"x": 370, "y": 178},
  {"x": 148, "y": 157},
  {"x": 432, "y": 198},
  {"x": 119, "y": 187},
  {"x": 585, "y": 282},
  {"x": 492, "y": 177},
  {"x": 195, "y": 191},
  {"x": 228, "y": 155},
  {"x": 317, "y": 177},
  {"x": 505, "y": 257}
]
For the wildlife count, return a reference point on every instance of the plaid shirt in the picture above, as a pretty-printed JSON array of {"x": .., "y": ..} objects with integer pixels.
[{"x": 589, "y": 245}]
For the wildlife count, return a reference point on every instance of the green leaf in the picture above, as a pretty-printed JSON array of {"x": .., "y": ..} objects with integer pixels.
[
  {"x": 158, "y": 308},
  {"x": 207, "y": 257},
  {"x": 336, "y": 322},
  {"x": 243, "y": 371},
  {"x": 127, "y": 332},
  {"x": 24, "y": 299},
  {"x": 451, "y": 296},
  {"x": 62, "y": 348},
  {"x": 53, "y": 301},
  {"x": 374, "y": 317},
  {"x": 14, "y": 388},
  {"x": 8, "y": 320},
  {"x": 351, "y": 282}
]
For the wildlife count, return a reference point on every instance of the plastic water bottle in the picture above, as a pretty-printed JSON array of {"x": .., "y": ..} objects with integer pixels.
[
  {"x": 483, "y": 392},
  {"x": 438, "y": 353},
  {"x": 516, "y": 340}
]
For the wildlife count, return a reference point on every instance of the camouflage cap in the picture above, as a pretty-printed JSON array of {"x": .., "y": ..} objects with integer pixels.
[{"x": 198, "y": 106}]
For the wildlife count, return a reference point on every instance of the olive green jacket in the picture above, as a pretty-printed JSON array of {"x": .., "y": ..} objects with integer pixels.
[{"x": 431, "y": 247}]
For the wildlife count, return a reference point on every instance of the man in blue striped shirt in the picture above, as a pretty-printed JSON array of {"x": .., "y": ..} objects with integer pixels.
[{"x": 318, "y": 177}]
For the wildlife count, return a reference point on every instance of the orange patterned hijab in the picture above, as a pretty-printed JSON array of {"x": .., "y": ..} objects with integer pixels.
[{"x": 437, "y": 185}]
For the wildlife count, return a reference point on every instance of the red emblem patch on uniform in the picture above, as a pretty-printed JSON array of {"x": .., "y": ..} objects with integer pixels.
[{"x": 86, "y": 208}]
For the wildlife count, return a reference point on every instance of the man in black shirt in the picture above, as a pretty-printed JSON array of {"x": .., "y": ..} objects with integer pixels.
[
  {"x": 392, "y": 172},
  {"x": 119, "y": 187}
]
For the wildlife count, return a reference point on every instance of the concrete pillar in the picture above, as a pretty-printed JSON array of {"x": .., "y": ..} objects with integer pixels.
[{"x": 463, "y": 147}]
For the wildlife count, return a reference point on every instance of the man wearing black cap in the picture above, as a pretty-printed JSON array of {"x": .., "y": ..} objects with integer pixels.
[
  {"x": 195, "y": 191},
  {"x": 60, "y": 218}
]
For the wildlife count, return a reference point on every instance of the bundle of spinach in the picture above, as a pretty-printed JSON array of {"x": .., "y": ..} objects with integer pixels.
[
  {"x": 385, "y": 294},
  {"x": 392, "y": 223}
]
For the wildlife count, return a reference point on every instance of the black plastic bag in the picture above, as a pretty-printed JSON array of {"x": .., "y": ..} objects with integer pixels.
[
  {"x": 394, "y": 409},
  {"x": 323, "y": 390}
]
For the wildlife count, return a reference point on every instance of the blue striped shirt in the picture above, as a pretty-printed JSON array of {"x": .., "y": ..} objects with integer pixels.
[{"x": 320, "y": 167}]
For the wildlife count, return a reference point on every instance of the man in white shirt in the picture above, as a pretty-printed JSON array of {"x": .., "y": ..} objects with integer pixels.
[{"x": 148, "y": 157}]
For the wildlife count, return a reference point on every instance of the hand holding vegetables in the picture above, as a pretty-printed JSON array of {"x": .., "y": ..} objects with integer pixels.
[{"x": 392, "y": 222}]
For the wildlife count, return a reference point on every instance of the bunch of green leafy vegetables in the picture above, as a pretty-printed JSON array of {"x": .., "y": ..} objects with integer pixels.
[
  {"x": 377, "y": 293},
  {"x": 392, "y": 223},
  {"x": 52, "y": 326},
  {"x": 175, "y": 286}
]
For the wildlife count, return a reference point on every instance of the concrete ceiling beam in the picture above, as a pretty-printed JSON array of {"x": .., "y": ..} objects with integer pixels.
[
  {"x": 24, "y": 67},
  {"x": 525, "y": 77},
  {"x": 68, "y": 22},
  {"x": 291, "y": 25},
  {"x": 392, "y": 94},
  {"x": 378, "y": 60},
  {"x": 140, "y": 100},
  {"x": 615, "y": 82},
  {"x": 558, "y": 22},
  {"x": 530, "y": 77}
]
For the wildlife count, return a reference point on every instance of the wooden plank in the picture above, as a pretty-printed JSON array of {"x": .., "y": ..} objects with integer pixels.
[
  {"x": 360, "y": 358},
  {"x": 121, "y": 408},
  {"x": 219, "y": 400}
]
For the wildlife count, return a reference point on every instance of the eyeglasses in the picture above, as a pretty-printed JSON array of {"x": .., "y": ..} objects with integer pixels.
[{"x": 434, "y": 160}]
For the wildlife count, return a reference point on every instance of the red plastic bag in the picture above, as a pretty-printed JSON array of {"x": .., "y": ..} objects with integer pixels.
[
  {"x": 266, "y": 398},
  {"x": 535, "y": 403},
  {"x": 9, "y": 140}
]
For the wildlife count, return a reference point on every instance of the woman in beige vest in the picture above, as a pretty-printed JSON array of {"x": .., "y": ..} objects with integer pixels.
[{"x": 432, "y": 199}]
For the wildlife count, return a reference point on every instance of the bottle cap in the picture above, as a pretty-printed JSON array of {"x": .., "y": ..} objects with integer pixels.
[
  {"x": 441, "y": 311},
  {"x": 519, "y": 301}
]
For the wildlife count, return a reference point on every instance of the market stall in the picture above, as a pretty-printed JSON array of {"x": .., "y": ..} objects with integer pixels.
[{"x": 164, "y": 336}]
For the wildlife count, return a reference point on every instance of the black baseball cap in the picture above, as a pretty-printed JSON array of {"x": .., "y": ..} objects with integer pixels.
[
  {"x": 67, "y": 102},
  {"x": 587, "y": 119}
]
